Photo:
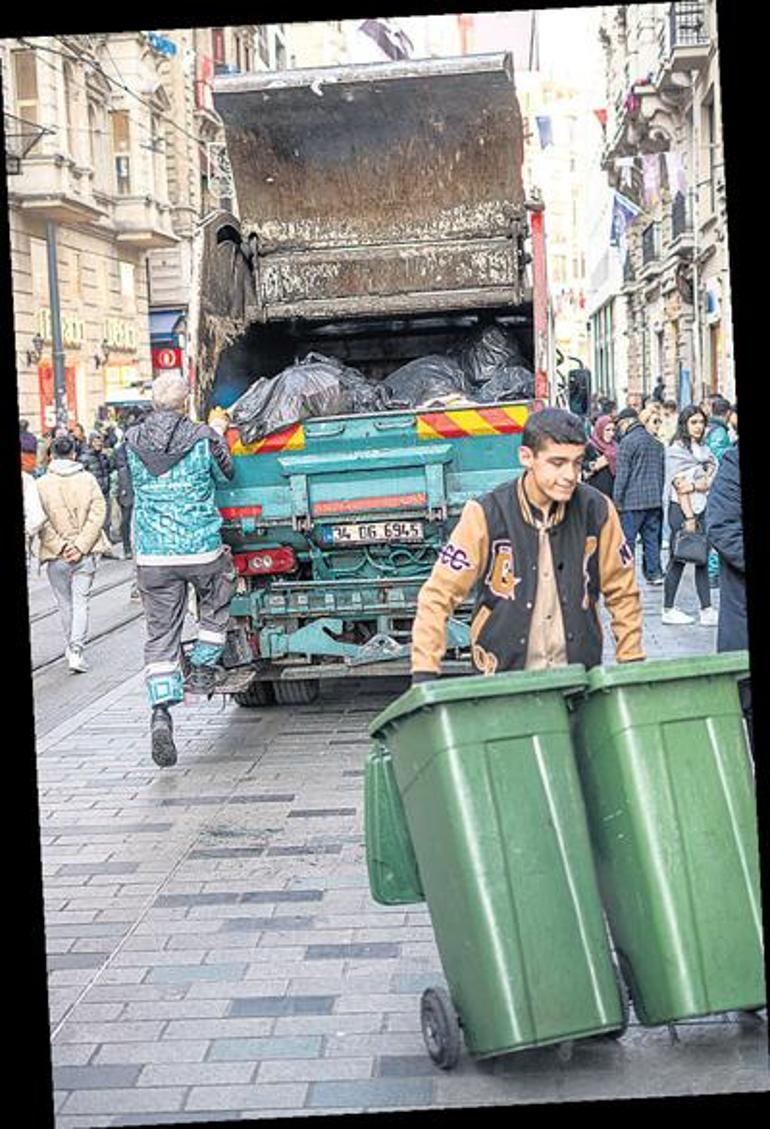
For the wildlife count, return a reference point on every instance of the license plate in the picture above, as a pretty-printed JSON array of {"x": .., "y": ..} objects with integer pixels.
[{"x": 370, "y": 532}]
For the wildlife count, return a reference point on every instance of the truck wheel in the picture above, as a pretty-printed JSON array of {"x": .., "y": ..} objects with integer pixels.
[
  {"x": 297, "y": 693},
  {"x": 257, "y": 694},
  {"x": 440, "y": 1028}
]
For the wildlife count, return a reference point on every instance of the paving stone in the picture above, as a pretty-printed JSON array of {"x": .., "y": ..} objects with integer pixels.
[
  {"x": 116, "y": 1032},
  {"x": 176, "y": 1009},
  {"x": 313, "y": 1069},
  {"x": 280, "y": 921},
  {"x": 72, "y": 1054},
  {"x": 218, "y": 1028},
  {"x": 261, "y": 1097},
  {"x": 87, "y": 1012},
  {"x": 277, "y": 896},
  {"x": 75, "y": 868},
  {"x": 403, "y": 1066},
  {"x": 319, "y": 813},
  {"x": 196, "y": 1074},
  {"x": 378, "y": 1043},
  {"x": 171, "y": 974},
  {"x": 257, "y": 1049},
  {"x": 213, "y": 899},
  {"x": 362, "y": 951},
  {"x": 116, "y": 1101},
  {"x": 363, "y": 1022},
  {"x": 94, "y": 1077},
  {"x": 174, "y": 1050},
  {"x": 373, "y": 1093},
  {"x": 281, "y": 1005},
  {"x": 57, "y": 961}
]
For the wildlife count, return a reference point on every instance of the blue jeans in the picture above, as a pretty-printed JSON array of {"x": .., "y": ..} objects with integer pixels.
[{"x": 648, "y": 523}]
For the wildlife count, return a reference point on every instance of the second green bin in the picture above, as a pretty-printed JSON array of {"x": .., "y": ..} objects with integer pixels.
[
  {"x": 487, "y": 775},
  {"x": 667, "y": 781}
]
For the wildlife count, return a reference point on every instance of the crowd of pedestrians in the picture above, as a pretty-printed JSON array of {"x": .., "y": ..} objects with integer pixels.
[{"x": 659, "y": 465}]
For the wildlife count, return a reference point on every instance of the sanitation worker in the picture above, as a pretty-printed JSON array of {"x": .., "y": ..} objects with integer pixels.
[
  {"x": 174, "y": 466},
  {"x": 539, "y": 550}
]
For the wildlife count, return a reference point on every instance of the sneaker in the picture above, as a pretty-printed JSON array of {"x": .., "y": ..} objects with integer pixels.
[
  {"x": 162, "y": 737},
  {"x": 75, "y": 660},
  {"x": 201, "y": 679},
  {"x": 674, "y": 615},
  {"x": 134, "y": 594},
  {"x": 656, "y": 581},
  {"x": 709, "y": 617}
]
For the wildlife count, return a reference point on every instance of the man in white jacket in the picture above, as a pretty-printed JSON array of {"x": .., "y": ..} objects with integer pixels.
[{"x": 71, "y": 539}]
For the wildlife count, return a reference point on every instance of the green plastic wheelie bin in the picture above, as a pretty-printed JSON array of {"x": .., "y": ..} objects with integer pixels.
[
  {"x": 667, "y": 779},
  {"x": 394, "y": 878},
  {"x": 486, "y": 772}
]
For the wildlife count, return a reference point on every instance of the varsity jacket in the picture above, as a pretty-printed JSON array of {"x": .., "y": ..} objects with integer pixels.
[{"x": 497, "y": 547}]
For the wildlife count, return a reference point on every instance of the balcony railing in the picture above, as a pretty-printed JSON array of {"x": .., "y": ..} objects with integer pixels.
[
  {"x": 650, "y": 244},
  {"x": 687, "y": 25}
]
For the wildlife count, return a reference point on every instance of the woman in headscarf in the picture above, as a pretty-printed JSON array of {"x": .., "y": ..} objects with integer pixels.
[
  {"x": 690, "y": 471},
  {"x": 601, "y": 455}
]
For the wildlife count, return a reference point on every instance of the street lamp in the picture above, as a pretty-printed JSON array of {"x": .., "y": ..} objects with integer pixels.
[{"x": 35, "y": 353}]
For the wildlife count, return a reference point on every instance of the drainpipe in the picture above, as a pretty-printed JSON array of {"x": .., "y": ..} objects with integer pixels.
[
  {"x": 59, "y": 382},
  {"x": 697, "y": 374}
]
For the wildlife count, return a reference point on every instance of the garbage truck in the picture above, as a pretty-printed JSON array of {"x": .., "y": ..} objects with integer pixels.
[{"x": 381, "y": 217}]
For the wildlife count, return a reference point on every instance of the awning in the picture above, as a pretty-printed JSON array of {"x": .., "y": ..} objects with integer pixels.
[{"x": 164, "y": 323}]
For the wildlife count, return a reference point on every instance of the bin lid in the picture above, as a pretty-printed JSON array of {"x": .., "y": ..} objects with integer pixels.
[
  {"x": 476, "y": 687},
  {"x": 667, "y": 670}
]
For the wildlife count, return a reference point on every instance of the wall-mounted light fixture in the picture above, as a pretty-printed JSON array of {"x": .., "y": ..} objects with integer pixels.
[
  {"x": 35, "y": 353},
  {"x": 101, "y": 358}
]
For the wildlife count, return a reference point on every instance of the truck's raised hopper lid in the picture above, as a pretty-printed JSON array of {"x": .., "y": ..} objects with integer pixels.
[{"x": 409, "y": 151}]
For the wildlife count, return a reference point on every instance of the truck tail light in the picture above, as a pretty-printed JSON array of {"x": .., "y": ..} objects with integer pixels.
[{"x": 264, "y": 561}]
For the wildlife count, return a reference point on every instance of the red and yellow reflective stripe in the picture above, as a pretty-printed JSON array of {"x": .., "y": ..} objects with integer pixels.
[
  {"x": 462, "y": 422},
  {"x": 290, "y": 439}
]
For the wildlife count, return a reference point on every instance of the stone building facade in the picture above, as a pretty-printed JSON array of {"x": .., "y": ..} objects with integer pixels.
[
  {"x": 664, "y": 153},
  {"x": 114, "y": 139}
]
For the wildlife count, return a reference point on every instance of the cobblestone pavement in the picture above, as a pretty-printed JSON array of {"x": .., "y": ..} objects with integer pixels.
[{"x": 214, "y": 953}]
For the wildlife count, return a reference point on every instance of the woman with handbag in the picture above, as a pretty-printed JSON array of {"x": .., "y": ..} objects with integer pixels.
[{"x": 690, "y": 471}]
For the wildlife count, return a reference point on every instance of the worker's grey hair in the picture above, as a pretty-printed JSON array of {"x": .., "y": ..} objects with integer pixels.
[{"x": 169, "y": 392}]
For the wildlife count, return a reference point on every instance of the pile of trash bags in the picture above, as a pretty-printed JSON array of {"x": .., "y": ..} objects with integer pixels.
[{"x": 488, "y": 366}]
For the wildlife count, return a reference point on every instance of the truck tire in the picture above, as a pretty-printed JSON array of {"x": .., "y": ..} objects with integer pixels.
[
  {"x": 257, "y": 694},
  {"x": 297, "y": 693}
]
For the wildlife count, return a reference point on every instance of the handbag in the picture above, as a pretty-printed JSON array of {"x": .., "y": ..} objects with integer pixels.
[{"x": 690, "y": 547}]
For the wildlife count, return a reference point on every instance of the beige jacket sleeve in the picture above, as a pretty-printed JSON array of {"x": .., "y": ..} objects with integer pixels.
[
  {"x": 617, "y": 578},
  {"x": 460, "y": 564},
  {"x": 94, "y": 520}
]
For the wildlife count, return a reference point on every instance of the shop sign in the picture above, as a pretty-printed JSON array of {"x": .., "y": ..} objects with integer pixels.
[
  {"x": 120, "y": 334},
  {"x": 72, "y": 329},
  {"x": 167, "y": 357}
]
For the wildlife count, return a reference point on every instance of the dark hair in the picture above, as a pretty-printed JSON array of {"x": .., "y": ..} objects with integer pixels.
[
  {"x": 719, "y": 406},
  {"x": 669, "y": 404},
  {"x": 63, "y": 445},
  {"x": 681, "y": 428},
  {"x": 23, "y": 424},
  {"x": 555, "y": 424}
]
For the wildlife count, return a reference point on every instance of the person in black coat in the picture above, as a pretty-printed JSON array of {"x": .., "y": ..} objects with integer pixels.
[
  {"x": 96, "y": 460},
  {"x": 125, "y": 497},
  {"x": 724, "y": 529},
  {"x": 638, "y": 490}
]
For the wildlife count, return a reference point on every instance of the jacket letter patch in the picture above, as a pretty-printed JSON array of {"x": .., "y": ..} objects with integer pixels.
[
  {"x": 588, "y": 552},
  {"x": 500, "y": 579},
  {"x": 454, "y": 557},
  {"x": 626, "y": 554}
]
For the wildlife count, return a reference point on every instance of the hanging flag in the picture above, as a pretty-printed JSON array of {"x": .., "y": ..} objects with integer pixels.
[
  {"x": 625, "y": 164},
  {"x": 602, "y": 117},
  {"x": 544, "y": 129},
  {"x": 623, "y": 212},
  {"x": 677, "y": 180},
  {"x": 651, "y": 175},
  {"x": 161, "y": 43}
]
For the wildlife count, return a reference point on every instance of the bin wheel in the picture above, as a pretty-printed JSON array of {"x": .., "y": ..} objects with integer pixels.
[
  {"x": 300, "y": 693},
  {"x": 440, "y": 1028},
  {"x": 256, "y": 694}
]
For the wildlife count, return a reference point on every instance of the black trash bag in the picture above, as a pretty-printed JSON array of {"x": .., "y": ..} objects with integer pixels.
[
  {"x": 423, "y": 379},
  {"x": 486, "y": 350},
  {"x": 316, "y": 386},
  {"x": 512, "y": 382}
]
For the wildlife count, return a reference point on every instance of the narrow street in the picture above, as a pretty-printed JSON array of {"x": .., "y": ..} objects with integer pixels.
[{"x": 213, "y": 950}]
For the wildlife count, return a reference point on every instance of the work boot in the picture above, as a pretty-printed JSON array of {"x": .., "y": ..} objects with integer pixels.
[
  {"x": 201, "y": 679},
  {"x": 161, "y": 733}
]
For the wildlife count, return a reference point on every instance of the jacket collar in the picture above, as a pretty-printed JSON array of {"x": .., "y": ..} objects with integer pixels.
[{"x": 531, "y": 513}]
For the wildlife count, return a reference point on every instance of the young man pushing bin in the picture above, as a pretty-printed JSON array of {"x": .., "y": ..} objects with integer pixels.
[{"x": 541, "y": 548}]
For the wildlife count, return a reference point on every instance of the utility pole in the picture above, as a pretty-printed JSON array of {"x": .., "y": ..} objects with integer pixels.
[
  {"x": 697, "y": 374},
  {"x": 59, "y": 381}
]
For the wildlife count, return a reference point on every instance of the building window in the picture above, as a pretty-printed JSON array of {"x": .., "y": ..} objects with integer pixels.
[
  {"x": 711, "y": 142},
  {"x": 218, "y": 44},
  {"x": 121, "y": 142},
  {"x": 604, "y": 358},
  {"x": 127, "y": 282},
  {"x": 25, "y": 74}
]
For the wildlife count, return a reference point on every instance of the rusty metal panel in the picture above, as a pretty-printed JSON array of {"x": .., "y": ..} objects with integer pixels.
[
  {"x": 393, "y": 305},
  {"x": 393, "y": 153}
]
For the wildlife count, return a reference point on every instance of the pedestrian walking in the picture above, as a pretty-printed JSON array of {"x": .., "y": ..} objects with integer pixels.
[
  {"x": 125, "y": 494},
  {"x": 659, "y": 391},
  {"x": 71, "y": 540},
  {"x": 634, "y": 400},
  {"x": 690, "y": 470},
  {"x": 79, "y": 435},
  {"x": 34, "y": 514},
  {"x": 724, "y": 529},
  {"x": 600, "y": 462},
  {"x": 174, "y": 466},
  {"x": 638, "y": 490},
  {"x": 28, "y": 444},
  {"x": 669, "y": 422},
  {"x": 541, "y": 548}
]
